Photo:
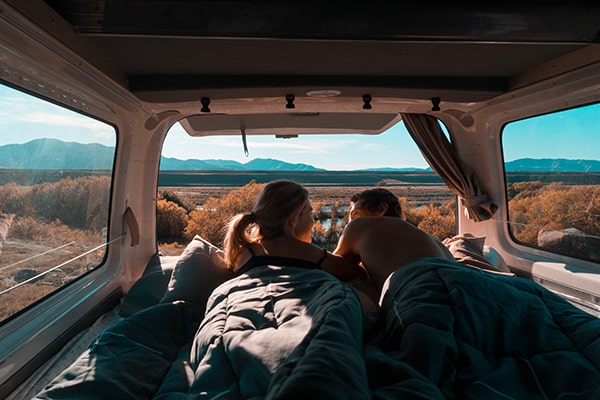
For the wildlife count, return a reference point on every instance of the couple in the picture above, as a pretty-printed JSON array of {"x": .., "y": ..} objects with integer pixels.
[
  {"x": 275, "y": 332},
  {"x": 375, "y": 242}
]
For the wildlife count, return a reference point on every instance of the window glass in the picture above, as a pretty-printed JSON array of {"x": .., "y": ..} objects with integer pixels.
[
  {"x": 55, "y": 174},
  {"x": 552, "y": 167},
  {"x": 204, "y": 181}
]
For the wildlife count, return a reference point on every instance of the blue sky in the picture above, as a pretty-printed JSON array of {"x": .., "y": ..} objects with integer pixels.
[
  {"x": 22, "y": 120},
  {"x": 393, "y": 148}
]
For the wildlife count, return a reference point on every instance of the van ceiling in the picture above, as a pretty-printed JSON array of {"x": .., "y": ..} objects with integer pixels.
[{"x": 183, "y": 50}]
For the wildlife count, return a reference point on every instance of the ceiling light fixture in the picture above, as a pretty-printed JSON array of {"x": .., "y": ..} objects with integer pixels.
[{"x": 323, "y": 93}]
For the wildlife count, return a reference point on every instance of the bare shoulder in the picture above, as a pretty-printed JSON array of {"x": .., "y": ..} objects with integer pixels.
[{"x": 362, "y": 223}]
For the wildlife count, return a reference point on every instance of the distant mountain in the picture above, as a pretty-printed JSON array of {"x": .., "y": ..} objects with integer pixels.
[
  {"x": 552, "y": 165},
  {"x": 390, "y": 169},
  {"x": 59, "y": 155},
  {"x": 56, "y": 154},
  {"x": 258, "y": 164},
  {"x": 175, "y": 164},
  {"x": 269, "y": 164}
]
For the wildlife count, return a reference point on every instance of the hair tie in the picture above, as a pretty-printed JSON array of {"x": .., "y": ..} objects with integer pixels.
[{"x": 252, "y": 217}]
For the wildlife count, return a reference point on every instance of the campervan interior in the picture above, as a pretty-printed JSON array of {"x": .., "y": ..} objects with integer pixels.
[{"x": 112, "y": 110}]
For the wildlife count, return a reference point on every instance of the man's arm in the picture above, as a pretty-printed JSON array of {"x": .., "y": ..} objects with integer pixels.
[{"x": 347, "y": 244}]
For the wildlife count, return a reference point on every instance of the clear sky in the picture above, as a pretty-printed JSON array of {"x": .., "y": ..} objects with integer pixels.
[
  {"x": 393, "y": 148},
  {"x": 22, "y": 120}
]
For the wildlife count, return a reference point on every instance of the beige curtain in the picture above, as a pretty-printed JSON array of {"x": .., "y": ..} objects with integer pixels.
[{"x": 439, "y": 153}]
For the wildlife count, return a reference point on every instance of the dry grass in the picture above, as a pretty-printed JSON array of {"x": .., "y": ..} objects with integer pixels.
[
  {"x": 415, "y": 195},
  {"x": 21, "y": 260},
  {"x": 171, "y": 249},
  {"x": 320, "y": 195}
]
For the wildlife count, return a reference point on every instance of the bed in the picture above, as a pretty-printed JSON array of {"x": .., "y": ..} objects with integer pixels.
[{"x": 444, "y": 331}]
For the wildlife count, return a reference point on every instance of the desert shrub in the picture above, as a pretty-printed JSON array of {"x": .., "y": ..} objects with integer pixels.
[
  {"x": 173, "y": 197},
  {"x": 520, "y": 190},
  {"x": 432, "y": 220},
  {"x": 327, "y": 237},
  {"x": 14, "y": 199},
  {"x": 210, "y": 221},
  {"x": 406, "y": 206},
  {"x": 171, "y": 220},
  {"x": 557, "y": 205},
  {"x": 319, "y": 210},
  {"x": 32, "y": 229},
  {"x": 319, "y": 235},
  {"x": 338, "y": 210},
  {"x": 79, "y": 203},
  {"x": 449, "y": 208},
  {"x": 438, "y": 220}
]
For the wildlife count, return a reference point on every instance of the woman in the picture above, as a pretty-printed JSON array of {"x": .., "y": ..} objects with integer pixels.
[
  {"x": 278, "y": 231},
  {"x": 281, "y": 328}
]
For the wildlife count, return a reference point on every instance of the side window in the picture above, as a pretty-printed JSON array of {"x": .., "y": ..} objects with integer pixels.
[
  {"x": 55, "y": 174},
  {"x": 552, "y": 169}
]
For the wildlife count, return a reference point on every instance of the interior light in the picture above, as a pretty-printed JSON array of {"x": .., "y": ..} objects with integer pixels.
[{"x": 323, "y": 93}]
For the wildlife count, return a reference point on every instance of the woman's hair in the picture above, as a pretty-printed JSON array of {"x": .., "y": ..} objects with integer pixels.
[
  {"x": 372, "y": 198},
  {"x": 268, "y": 219}
]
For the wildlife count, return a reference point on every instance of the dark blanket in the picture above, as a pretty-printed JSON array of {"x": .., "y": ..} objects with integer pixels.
[
  {"x": 131, "y": 359},
  {"x": 274, "y": 333},
  {"x": 454, "y": 332},
  {"x": 446, "y": 331},
  {"x": 280, "y": 333}
]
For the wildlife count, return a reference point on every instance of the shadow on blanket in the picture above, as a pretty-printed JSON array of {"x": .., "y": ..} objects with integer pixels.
[
  {"x": 274, "y": 333},
  {"x": 461, "y": 333},
  {"x": 446, "y": 331}
]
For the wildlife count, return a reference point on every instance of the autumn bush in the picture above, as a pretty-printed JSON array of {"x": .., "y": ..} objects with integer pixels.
[
  {"x": 533, "y": 208},
  {"x": 210, "y": 220},
  {"x": 80, "y": 203},
  {"x": 571, "y": 206},
  {"x": 171, "y": 220},
  {"x": 440, "y": 221},
  {"x": 171, "y": 196},
  {"x": 29, "y": 228},
  {"x": 15, "y": 199},
  {"x": 56, "y": 235},
  {"x": 556, "y": 206}
]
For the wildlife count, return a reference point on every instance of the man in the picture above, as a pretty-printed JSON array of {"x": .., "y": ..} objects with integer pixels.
[
  {"x": 379, "y": 238},
  {"x": 375, "y": 202}
]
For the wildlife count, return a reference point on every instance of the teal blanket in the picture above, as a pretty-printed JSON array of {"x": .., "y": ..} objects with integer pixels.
[
  {"x": 454, "y": 332},
  {"x": 446, "y": 331},
  {"x": 280, "y": 333}
]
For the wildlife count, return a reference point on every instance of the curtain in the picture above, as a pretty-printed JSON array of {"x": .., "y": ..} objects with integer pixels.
[{"x": 439, "y": 153}]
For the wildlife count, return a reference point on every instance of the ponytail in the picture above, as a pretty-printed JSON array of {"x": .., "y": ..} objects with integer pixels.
[{"x": 239, "y": 235}]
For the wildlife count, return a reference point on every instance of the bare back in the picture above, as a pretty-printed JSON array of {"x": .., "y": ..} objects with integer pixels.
[{"x": 384, "y": 244}]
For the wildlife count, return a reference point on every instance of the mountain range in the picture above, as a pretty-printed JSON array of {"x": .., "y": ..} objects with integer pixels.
[{"x": 59, "y": 155}]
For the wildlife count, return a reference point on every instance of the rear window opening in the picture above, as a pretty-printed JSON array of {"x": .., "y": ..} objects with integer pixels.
[{"x": 204, "y": 181}]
